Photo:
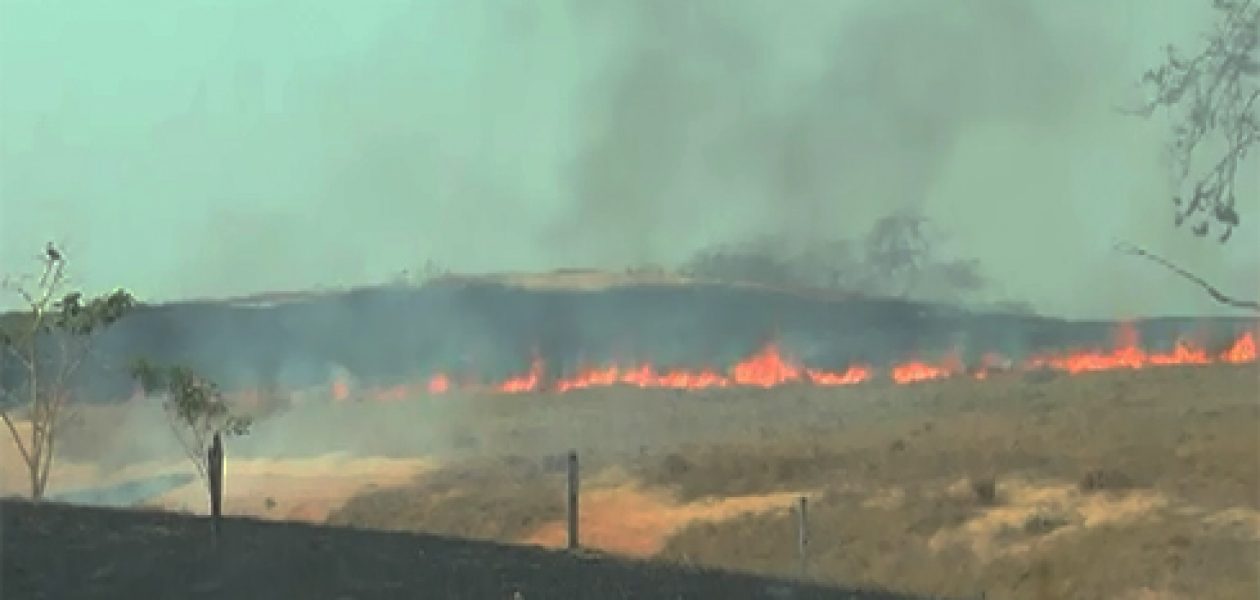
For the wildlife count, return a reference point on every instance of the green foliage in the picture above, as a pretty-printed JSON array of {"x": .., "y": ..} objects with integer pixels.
[
  {"x": 82, "y": 318},
  {"x": 191, "y": 400},
  {"x": 194, "y": 407},
  {"x": 42, "y": 347}
]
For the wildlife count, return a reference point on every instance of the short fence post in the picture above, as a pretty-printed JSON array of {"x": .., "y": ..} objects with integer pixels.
[
  {"x": 802, "y": 535},
  {"x": 573, "y": 500},
  {"x": 215, "y": 464}
]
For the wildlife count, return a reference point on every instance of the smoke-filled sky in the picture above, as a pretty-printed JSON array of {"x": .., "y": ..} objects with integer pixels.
[{"x": 219, "y": 147}]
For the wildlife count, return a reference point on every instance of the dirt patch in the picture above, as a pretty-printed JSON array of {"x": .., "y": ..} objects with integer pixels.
[
  {"x": 497, "y": 499},
  {"x": 517, "y": 500},
  {"x": 635, "y": 521}
]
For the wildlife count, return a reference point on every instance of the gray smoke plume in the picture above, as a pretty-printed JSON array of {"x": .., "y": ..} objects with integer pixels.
[
  {"x": 702, "y": 128},
  {"x": 254, "y": 152}
]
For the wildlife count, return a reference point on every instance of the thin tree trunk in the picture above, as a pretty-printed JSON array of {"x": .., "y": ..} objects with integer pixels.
[
  {"x": 45, "y": 468},
  {"x": 37, "y": 420}
]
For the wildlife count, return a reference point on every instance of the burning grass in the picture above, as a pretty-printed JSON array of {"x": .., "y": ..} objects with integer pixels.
[{"x": 771, "y": 367}]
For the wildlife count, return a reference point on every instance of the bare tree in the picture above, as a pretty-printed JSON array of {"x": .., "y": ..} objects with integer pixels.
[
  {"x": 898, "y": 249},
  {"x": 195, "y": 409},
  {"x": 1213, "y": 99},
  {"x": 760, "y": 261},
  {"x": 903, "y": 258},
  {"x": 46, "y": 343},
  {"x": 900, "y": 256}
]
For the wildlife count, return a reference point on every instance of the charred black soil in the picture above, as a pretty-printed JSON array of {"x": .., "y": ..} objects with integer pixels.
[{"x": 56, "y": 551}]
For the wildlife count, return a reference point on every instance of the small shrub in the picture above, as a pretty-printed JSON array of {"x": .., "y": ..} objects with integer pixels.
[
  {"x": 1041, "y": 524},
  {"x": 1104, "y": 479},
  {"x": 985, "y": 490},
  {"x": 676, "y": 465},
  {"x": 1041, "y": 375}
]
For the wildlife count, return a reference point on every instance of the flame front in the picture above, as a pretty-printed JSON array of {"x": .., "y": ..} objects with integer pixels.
[
  {"x": 769, "y": 367},
  {"x": 1243, "y": 350}
]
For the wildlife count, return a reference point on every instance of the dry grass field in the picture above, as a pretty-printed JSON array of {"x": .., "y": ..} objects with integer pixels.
[
  {"x": 1120, "y": 484},
  {"x": 1124, "y": 484}
]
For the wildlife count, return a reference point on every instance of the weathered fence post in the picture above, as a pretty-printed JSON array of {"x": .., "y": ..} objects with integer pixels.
[
  {"x": 802, "y": 535},
  {"x": 215, "y": 464},
  {"x": 573, "y": 500}
]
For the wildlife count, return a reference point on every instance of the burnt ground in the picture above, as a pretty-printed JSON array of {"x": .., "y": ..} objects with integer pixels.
[
  {"x": 58, "y": 551},
  {"x": 1125, "y": 484}
]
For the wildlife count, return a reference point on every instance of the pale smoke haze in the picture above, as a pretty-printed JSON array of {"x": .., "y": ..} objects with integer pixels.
[{"x": 206, "y": 148}]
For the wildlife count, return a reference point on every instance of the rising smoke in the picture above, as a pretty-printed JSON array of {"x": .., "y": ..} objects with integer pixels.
[
  {"x": 260, "y": 151},
  {"x": 287, "y": 145},
  {"x": 727, "y": 119}
]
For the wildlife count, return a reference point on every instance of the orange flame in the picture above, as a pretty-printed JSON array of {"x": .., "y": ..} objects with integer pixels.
[
  {"x": 1128, "y": 354},
  {"x": 340, "y": 390},
  {"x": 1243, "y": 350},
  {"x": 439, "y": 384},
  {"x": 765, "y": 369},
  {"x": 769, "y": 367},
  {"x": 527, "y": 382},
  {"x": 913, "y": 371},
  {"x": 853, "y": 375}
]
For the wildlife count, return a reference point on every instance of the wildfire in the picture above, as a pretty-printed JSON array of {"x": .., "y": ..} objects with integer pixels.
[
  {"x": 913, "y": 371},
  {"x": 1128, "y": 354},
  {"x": 524, "y": 383},
  {"x": 1243, "y": 350},
  {"x": 770, "y": 367},
  {"x": 439, "y": 384},
  {"x": 340, "y": 390}
]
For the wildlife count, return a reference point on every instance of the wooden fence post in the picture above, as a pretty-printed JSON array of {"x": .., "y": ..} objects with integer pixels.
[
  {"x": 802, "y": 535},
  {"x": 215, "y": 464},
  {"x": 573, "y": 500}
]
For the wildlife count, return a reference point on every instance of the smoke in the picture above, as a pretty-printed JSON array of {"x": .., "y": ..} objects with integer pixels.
[
  {"x": 699, "y": 130},
  {"x": 126, "y": 494},
  {"x": 262, "y": 150}
]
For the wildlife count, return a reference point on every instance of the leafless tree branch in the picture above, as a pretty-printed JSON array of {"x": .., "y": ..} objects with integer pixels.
[
  {"x": 1216, "y": 294},
  {"x": 1212, "y": 94}
]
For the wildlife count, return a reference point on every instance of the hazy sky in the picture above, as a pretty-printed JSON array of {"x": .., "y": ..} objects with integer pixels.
[{"x": 210, "y": 148}]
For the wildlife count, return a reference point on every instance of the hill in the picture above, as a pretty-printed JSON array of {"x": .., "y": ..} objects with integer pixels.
[
  {"x": 494, "y": 327},
  {"x": 58, "y": 551}
]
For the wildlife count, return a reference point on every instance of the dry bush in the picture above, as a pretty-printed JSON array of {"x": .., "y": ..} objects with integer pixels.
[
  {"x": 984, "y": 489},
  {"x": 900, "y": 256},
  {"x": 713, "y": 471},
  {"x": 1096, "y": 480},
  {"x": 1041, "y": 524}
]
